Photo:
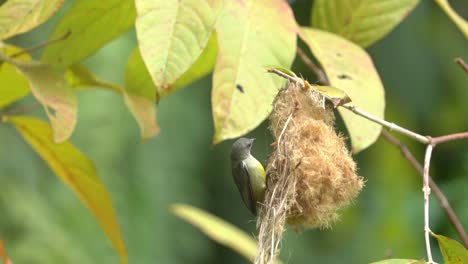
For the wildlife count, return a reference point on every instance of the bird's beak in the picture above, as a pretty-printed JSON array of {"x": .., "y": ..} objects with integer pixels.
[{"x": 252, "y": 140}]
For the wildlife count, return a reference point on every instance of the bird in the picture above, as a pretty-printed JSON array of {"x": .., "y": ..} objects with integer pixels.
[{"x": 248, "y": 173}]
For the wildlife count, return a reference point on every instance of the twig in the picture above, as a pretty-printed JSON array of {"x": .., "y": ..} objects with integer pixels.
[
  {"x": 456, "y": 18},
  {"x": 435, "y": 189},
  {"x": 42, "y": 44},
  {"x": 321, "y": 76},
  {"x": 450, "y": 137},
  {"x": 427, "y": 192},
  {"x": 357, "y": 111},
  {"x": 462, "y": 64}
]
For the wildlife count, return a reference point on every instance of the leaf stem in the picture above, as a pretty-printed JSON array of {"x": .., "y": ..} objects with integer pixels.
[
  {"x": 42, "y": 44},
  {"x": 456, "y": 18}
]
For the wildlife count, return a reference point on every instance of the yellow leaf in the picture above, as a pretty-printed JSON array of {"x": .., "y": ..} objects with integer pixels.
[
  {"x": 350, "y": 68},
  {"x": 49, "y": 87},
  {"x": 76, "y": 171},
  {"x": 13, "y": 85},
  {"x": 218, "y": 230},
  {"x": 252, "y": 35},
  {"x": 18, "y": 16}
]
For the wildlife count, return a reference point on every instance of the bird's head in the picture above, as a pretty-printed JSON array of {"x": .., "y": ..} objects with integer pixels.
[{"x": 241, "y": 148}]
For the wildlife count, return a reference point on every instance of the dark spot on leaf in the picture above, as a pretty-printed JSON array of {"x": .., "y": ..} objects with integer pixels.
[
  {"x": 338, "y": 54},
  {"x": 344, "y": 77},
  {"x": 240, "y": 88}
]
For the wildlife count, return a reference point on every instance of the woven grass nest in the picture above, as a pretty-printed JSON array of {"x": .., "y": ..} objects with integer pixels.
[{"x": 311, "y": 174}]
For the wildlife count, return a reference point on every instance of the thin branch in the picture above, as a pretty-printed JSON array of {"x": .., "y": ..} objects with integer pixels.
[
  {"x": 427, "y": 192},
  {"x": 42, "y": 44},
  {"x": 450, "y": 137},
  {"x": 321, "y": 76},
  {"x": 462, "y": 64},
  {"x": 456, "y": 18},
  {"x": 435, "y": 189},
  {"x": 357, "y": 111}
]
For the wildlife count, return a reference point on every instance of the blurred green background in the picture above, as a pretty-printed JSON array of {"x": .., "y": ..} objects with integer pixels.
[{"x": 41, "y": 220}]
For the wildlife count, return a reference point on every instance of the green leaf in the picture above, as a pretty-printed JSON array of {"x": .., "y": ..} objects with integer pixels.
[
  {"x": 91, "y": 24},
  {"x": 202, "y": 66},
  {"x": 336, "y": 96},
  {"x": 18, "y": 16},
  {"x": 50, "y": 88},
  {"x": 76, "y": 171},
  {"x": 140, "y": 95},
  {"x": 13, "y": 85},
  {"x": 79, "y": 77},
  {"x": 452, "y": 251},
  {"x": 218, "y": 230},
  {"x": 172, "y": 34},
  {"x": 252, "y": 35},
  {"x": 459, "y": 21},
  {"x": 350, "y": 69},
  {"x": 363, "y": 22},
  {"x": 400, "y": 261}
]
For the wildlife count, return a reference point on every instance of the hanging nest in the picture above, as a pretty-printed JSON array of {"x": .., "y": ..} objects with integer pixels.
[{"x": 311, "y": 175}]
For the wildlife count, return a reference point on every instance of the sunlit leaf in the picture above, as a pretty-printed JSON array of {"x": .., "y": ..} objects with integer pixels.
[
  {"x": 336, "y": 96},
  {"x": 202, "y": 66},
  {"x": 3, "y": 254},
  {"x": 91, "y": 24},
  {"x": 363, "y": 22},
  {"x": 252, "y": 35},
  {"x": 140, "y": 95},
  {"x": 76, "y": 171},
  {"x": 13, "y": 85},
  {"x": 18, "y": 16},
  {"x": 218, "y": 230},
  {"x": 80, "y": 77},
  {"x": 172, "y": 34},
  {"x": 283, "y": 70},
  {"x": 452, "y": 251},
  {"x": 459, "y": 21},
  {"x": 50, "y": 88},
  {"x": 350, "y": 69},
  {"x": 399, "y": 261}
]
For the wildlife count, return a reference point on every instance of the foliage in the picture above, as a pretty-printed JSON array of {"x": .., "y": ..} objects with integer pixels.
[{"x": 180, "y": 42}]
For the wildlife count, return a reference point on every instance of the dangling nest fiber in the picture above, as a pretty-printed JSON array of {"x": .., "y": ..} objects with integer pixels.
[{"x": 310, "y": 175}]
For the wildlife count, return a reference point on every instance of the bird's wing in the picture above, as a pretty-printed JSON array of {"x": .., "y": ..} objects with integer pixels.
[{"x": 242, "y": 179}]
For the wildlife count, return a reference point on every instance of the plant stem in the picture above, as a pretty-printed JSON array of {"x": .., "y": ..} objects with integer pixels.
[
  {"x": 456, "y": 18},
  {"x": 427, "y": 192}
]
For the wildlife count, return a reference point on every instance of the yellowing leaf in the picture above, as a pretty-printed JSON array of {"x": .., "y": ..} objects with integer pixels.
[
  {"x": 91, "y": 24},
  {"x": 350, "y": 69},
  {"x": 3, "y": 254},
  {"x": 363, "y": 22},
  {"x": 13, "y": 85},
  {"x": 400, "y": 261},
  {"x": 140, "y": 95},
  {"x": 172, "y": 34},
  {"x": 252, "y": 35},
  {"x": 452, "y": 251},
  {"x": 18, "y": 16},
  {"x": 76, "y": 171},
  {"x": 52, "y": 91},
  {"x": 202, "y": 66},
  {"x": 79, "y": 77},
  {"x": 218, "y": 230}
]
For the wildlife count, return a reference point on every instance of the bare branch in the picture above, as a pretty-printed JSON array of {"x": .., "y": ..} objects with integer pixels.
[
  {"x": 443, "y": 202},
  {"x": 321, "y": 76},
  {"x": 450, "y": 137},
  {"x": 462, "y": 64},
  {"x": 427, "y": 192}
]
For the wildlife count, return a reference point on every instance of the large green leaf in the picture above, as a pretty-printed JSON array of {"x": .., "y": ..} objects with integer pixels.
[
  {"x": 91, "y": 24},
  {"x": 18, "y": 16},
  {"x": 363, "y": 22},
  {"x": 76, "y": 171},
  {"x": 13, "y": 85},
  {"x": 452, "y": 251},
  {"x": 252, "y": 35},
  {"x": 49, "y": 87},
  {"x": 172, "y": 34},
  {"x": 140, "y": 91},
  {"x": 350, "y": 69},
  {"x": 218, "y": 230},
  {"x": 400, "y": 261}
]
